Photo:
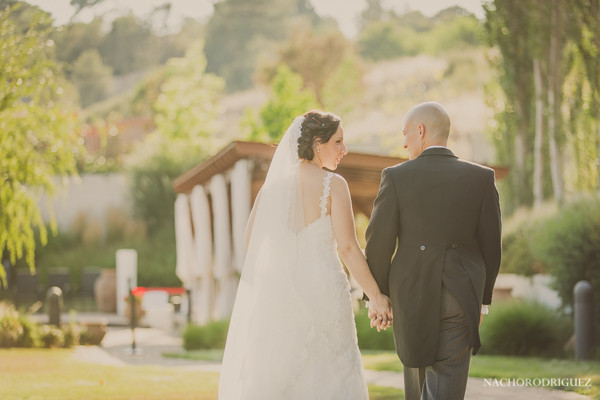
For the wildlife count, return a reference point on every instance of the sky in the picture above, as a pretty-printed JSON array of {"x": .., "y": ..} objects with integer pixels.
[{"x": 345, "y": 12}]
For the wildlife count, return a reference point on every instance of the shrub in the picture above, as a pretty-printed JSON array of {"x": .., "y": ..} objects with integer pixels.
[
  {"x": 10, "y": 326},
  {"x": 369, "y": 338},
  {"x": 517, "y": 257},
  {"x": 31, "y": 335},
  {"x": 51, "y": 336},
  {"x": 210, "y": 336},
  {"x": 521, "y": 328},
  {"x": 568, "y": 244},
  {"x": 71, "y": 334}
]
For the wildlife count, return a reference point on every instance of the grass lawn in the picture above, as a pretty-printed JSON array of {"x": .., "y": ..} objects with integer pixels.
[
  {"x": 484, "y": 366},
  {"x": 55, "y": 375},
  {"x": 36, "y": 374}
]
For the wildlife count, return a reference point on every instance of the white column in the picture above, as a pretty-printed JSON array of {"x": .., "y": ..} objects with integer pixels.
[
  {"x": 202, "y": 290},
  {"x": 126, "y": 276},
  {"x": 240, "y": 209},
  {"x": 223, "y": 268},
  {"x": 183, "y": 241}
]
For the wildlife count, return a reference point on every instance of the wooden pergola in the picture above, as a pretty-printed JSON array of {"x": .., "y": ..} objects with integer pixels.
[
  {"x": 361, "y": 171},
  {"x": 212, "y": 208}
]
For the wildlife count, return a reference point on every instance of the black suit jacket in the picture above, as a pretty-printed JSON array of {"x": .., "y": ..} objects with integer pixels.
[{"x": 436, "y": 220}]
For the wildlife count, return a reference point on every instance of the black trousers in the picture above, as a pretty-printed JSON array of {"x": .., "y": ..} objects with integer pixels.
[{"x": 446, "y": 379}]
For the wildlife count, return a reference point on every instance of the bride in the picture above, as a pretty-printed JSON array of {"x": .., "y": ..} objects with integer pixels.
[{"x": 292, "y": 333}]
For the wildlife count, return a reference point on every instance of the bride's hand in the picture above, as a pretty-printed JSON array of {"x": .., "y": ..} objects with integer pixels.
[{"x": 380, "y": 312}]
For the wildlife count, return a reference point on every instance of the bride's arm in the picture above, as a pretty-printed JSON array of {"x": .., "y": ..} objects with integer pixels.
[{"x": 342, "y": 219}]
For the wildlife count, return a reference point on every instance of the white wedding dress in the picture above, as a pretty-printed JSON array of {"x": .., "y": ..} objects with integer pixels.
[{"x": 292, "y": 334}]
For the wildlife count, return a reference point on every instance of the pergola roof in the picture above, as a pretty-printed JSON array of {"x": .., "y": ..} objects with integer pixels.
[{"x": 361, "y": 171}]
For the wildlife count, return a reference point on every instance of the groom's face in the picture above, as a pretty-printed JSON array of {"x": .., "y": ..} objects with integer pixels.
[{"x": 412, "y": 139}]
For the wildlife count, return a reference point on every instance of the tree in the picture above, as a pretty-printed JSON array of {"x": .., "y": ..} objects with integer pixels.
[
  {"x": 587, "y": 40},
  {"x": 373, "y": 12},
  {"x": 385, "y": 40},
  {"x": 37, "y": 132},
  {"x": 535, "y": 39},
  {"x": 92, "y": 78},
  {"x": 81, "y": 4},
  {"x": 288, "y": 100},
  {"x": 507, "y": 26},
  {"x": 128, "y": 46},
  {"x": 313, "y": 56},
  {"x": 184, "y": 114},
  {"x": 241, "y": 31},
  {"x": 73, "y": 39}
]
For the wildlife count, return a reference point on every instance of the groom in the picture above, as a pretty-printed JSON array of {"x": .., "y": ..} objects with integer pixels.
[{"x": 434, "y": 246}]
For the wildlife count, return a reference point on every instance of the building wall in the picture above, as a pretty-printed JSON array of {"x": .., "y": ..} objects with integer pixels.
[{"x": 90, "y": 194}]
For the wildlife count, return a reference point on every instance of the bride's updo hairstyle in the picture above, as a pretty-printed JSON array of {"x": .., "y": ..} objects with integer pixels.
[{"x": 318, "y": 127}]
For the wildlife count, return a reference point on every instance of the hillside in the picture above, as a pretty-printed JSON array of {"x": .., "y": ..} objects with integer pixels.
[{"x": 456, "y": 80}]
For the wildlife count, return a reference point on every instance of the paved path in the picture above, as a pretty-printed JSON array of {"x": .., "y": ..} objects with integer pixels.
[{"x": 151, "y": 343}]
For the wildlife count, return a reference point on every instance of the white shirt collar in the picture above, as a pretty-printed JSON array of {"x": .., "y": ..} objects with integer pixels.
[{"x": 435, "y": 147}]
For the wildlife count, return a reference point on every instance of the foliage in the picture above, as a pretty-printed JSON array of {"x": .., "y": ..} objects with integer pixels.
[
  {"x": 524, "y": 329},
  {"x": 185, "y": 111},
  {"x": 17, "y": 330},
  {"x": 288, "y": 100},
  {"x": 37, "y": 132},
  {"x": 128, "y": 45},
  {"x": 92, "y": 78},
  {"x": 11, "y": 329},
  {"x": 369, "y": 338},
  {"x": 507, "y": 26},
  {"x": 31, "y": 335},
  {"x": 536, "y": 123},
  {"x": 568, "y": 246},
  {"x": 71, "y": 334},
  {"x": 210, "y": 336},
  {"x": 186, "y": 105},
  {"x": 51, "y": 336},
  {"x": 564, "y": 244},
  {"x": 344, "y": 89},
  {"x": 384, "y": 40},
  {"x": 238, "y": 33},
  {"x": 457, "y": 32},
  {"x": 313, "y": 55},
  {"x": 393, "y": 36},
  {"x": 74, "y": 39},
  {"x": 517, "y": 257},
  {"x": 156, "y": 252}
]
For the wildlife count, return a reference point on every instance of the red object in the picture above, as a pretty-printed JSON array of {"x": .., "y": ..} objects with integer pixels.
[{"x": 140, "y": 290}]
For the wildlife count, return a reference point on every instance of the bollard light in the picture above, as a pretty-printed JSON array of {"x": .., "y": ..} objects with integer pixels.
[
  {"x": 54, "y": 303},
  {"x": 583, "y": 320}
]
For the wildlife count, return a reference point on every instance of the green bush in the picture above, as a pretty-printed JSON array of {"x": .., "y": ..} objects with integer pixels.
[
  {"x": 71, "y": 334},
  {"x": 369, "y": 338},
  {"x": 10, "y": 326},
  {"x": 517, "y": 257},
  {"x": 521, "y": 328},
  {"x": 51, "y": 336},
  {"x": 30, "y": 336},
  {"x": 210, "y": 336},
  {"x": 569, "y": 245},
  {"x": 17, "y": 330}
]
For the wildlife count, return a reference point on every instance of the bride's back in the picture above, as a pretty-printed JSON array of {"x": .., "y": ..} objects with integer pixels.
[{"x": 312, "y": 181}]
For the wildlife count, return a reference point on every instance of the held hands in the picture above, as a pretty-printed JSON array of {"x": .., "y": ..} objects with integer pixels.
[{"x": 380, "y": 312}]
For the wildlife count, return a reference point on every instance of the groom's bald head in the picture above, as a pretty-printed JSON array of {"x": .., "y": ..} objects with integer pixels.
[
  {"x": 425, "y": 125},
  {"x": 434, "y": 121}
]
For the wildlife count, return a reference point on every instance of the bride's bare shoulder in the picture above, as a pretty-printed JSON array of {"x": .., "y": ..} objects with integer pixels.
[{"x": 339, "y": 184}]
